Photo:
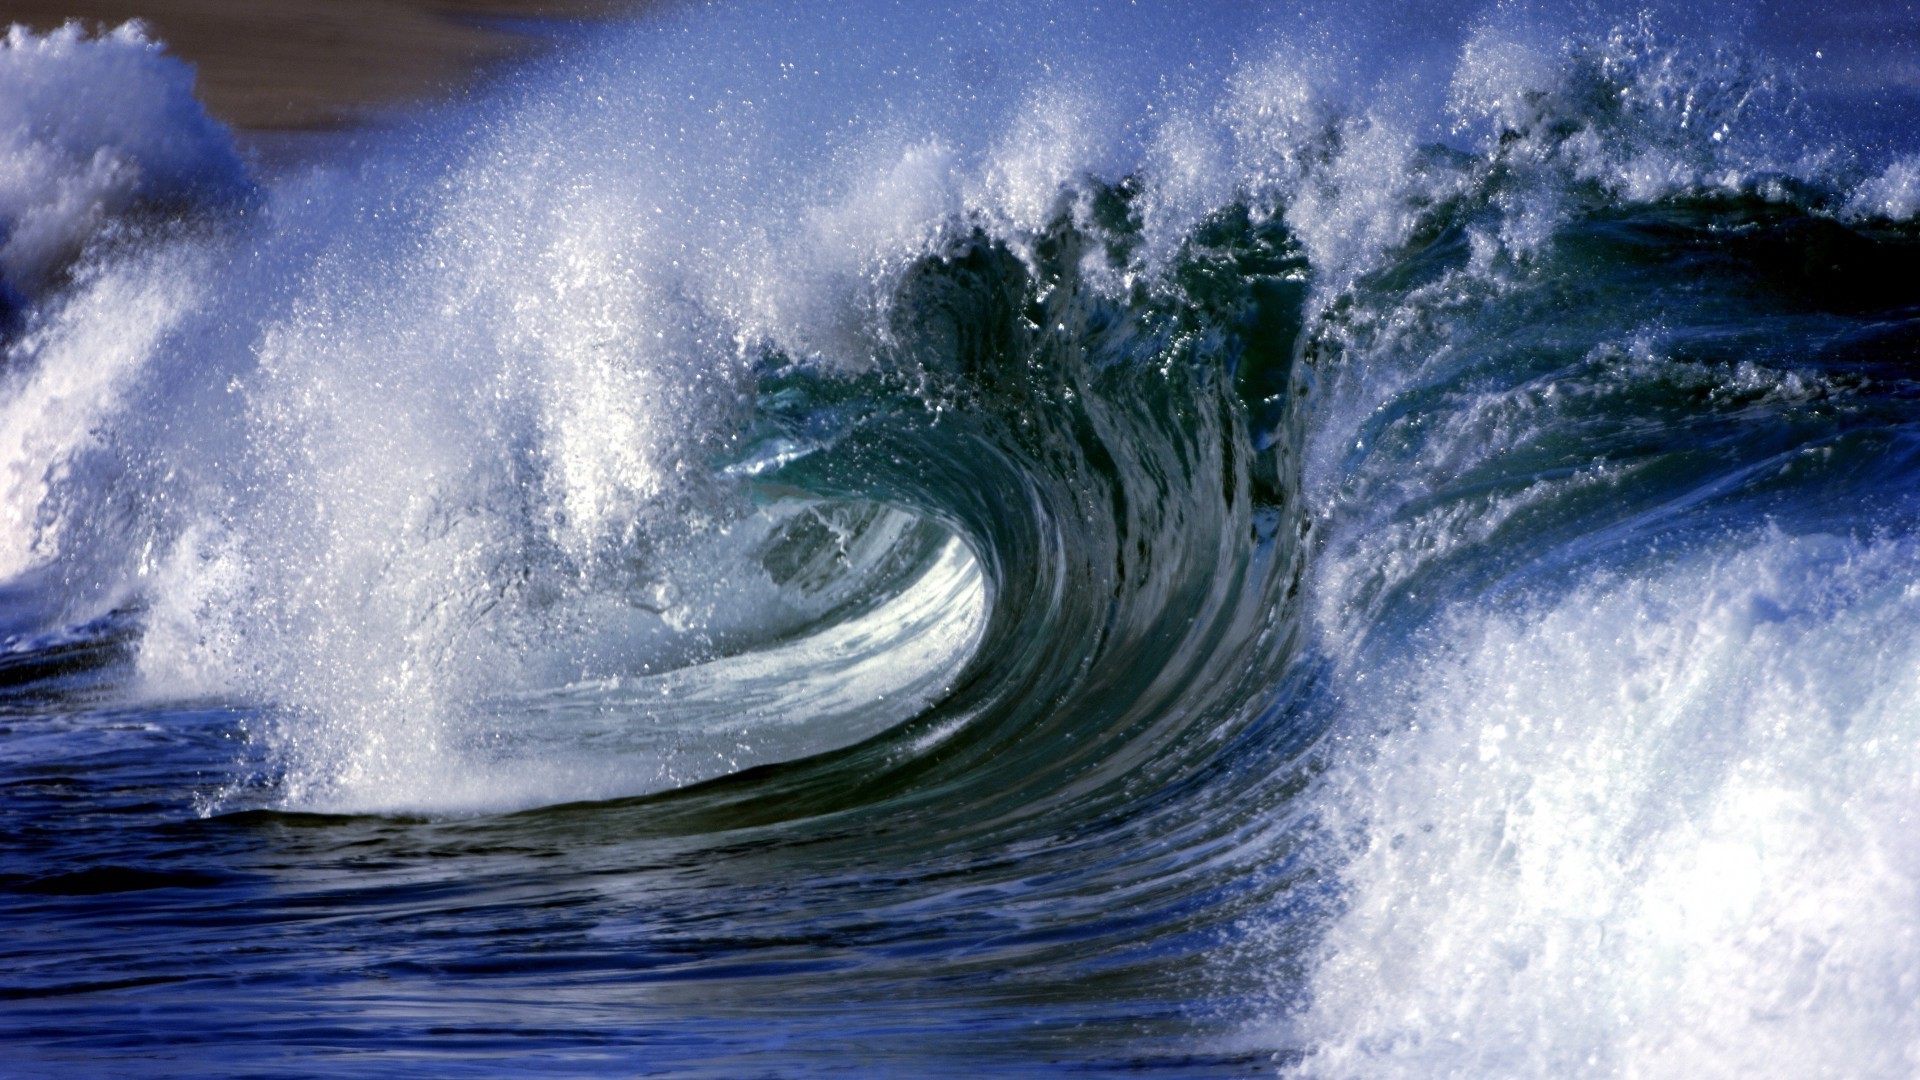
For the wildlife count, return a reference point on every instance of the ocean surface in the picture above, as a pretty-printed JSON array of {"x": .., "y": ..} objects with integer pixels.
[{"x": 880, "y": 539}]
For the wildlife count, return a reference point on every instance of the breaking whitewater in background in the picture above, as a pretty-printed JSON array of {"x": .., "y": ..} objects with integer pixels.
[{"x": 800, "y": 538}]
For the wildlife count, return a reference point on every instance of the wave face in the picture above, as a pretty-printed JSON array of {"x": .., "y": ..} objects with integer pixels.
[{"x": 1320, "y": 542}]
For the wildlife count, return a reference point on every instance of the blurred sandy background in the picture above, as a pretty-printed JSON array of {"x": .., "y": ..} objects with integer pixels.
[{"x": 290, "y": 65}]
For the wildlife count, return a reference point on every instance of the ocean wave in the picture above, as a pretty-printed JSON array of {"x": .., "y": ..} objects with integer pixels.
[{"x": 1361, "y": 552}]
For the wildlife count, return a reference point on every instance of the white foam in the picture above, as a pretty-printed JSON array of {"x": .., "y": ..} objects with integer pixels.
[
  {"x": 633, "y": 735},
  {"x": 1893, "y": 195},
  {"x": 89, "y": 128},
  {"x": 1658, "y": 828},
  {"x": 54, "y": 412}
]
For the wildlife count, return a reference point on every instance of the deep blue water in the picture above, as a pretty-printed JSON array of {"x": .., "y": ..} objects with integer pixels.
[{"x": 1073, "y": 539}]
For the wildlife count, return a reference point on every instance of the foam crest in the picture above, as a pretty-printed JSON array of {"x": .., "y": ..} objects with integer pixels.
[
  {"x": 1631, "y": 108},
  {"x": 90, "y": 128},
  {"x": 1056, "y": 139}
]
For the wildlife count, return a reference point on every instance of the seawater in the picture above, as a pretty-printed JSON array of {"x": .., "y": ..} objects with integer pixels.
[{"x": 1077, "y": 537}]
